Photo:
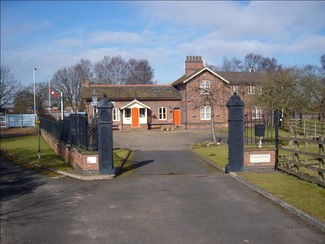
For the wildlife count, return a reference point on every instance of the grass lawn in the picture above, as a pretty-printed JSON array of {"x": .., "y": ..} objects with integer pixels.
[
  {"x": 305, "y": 196},
  {"x": 218, "y": 154},
  {"x": 26, "y": 149},
  {"x": 119, "y": 155}
]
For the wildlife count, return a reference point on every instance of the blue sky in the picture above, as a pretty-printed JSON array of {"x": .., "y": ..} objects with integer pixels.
[{"x": 50, "y": 35}]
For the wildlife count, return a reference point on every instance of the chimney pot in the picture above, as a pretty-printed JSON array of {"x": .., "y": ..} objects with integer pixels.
[{"x": 193, "y": 63}]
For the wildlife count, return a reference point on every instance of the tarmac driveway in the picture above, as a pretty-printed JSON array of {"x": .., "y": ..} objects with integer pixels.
[
  {"x": 161, "y": 140},
  {"x": 163, "y": 153}
]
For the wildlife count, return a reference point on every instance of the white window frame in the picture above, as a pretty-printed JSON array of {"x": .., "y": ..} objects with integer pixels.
[
  {"x": 251, "y": 89},
  {"x": 125, "y": 115},
  {"x": 257, "y": 112},
  {"x": 205, "y": 87},
  {"x": 142, "y": 112},
  {"x": 205, "y": 113},
  {"x": 116, "y": 114},
  {"x": 162, "y": 113},
  {"x": 234, "y": 89}
]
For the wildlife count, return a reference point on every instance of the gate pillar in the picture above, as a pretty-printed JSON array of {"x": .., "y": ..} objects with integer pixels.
[
  {"x": 235, "y": 134},
  {"x": 105, "y": 136}
]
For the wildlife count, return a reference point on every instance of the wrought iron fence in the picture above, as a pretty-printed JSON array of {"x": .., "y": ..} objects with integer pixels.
[
  {"x": 254, "y": 120},
  {"x": 74, "y": 130}
]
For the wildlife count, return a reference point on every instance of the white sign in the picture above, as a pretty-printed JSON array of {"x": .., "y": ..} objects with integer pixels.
[
  {"x": 260, "y": 158},
  {"x": 91, "y": 160}
]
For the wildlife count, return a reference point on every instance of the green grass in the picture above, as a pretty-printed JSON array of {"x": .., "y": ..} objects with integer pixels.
[
  {"x": 119, "y": 155},
  {"x": 218, "y": 154},
  {"x": 129, "y": 166},
  {"x": 25, "y": 148},
  {"x": 306, "y": 196}
]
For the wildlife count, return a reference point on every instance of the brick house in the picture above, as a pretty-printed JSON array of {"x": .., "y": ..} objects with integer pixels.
[{"x": 190, "y": 102}]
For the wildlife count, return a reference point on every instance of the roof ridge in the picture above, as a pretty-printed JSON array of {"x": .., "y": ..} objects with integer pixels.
[{"x": 116, "y": 85}]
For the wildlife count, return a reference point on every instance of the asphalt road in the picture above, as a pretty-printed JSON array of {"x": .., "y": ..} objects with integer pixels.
[{"x": 172, "y": 197}]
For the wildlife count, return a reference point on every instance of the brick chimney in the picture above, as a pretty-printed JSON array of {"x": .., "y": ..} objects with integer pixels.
[{"x": 192, "y": 64}]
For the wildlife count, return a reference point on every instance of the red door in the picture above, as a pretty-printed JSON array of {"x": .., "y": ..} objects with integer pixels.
[
  {"x": 177, "y": 117},
  {"x": 135, "y": 118}
]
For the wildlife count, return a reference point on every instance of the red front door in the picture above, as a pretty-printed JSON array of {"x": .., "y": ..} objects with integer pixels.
[
  {"x": 177, "y": 117},
  {"x": 135, "y": 118}
]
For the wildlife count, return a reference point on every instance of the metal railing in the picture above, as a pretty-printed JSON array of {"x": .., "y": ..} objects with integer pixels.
[
  {"x": 253, "y": 119},
  {"x": 74, "y": 130}
]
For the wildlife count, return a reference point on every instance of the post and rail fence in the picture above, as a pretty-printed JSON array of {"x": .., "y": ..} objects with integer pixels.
[
  {"x": 303, "y": 157},
  {"x": 302, "y": 152},
  {"x": 299, "y": 144}
]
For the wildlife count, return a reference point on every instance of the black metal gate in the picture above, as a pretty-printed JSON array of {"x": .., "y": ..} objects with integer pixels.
[{"x": 255, "y": 121}]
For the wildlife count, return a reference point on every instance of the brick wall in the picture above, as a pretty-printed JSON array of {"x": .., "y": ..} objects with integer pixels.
[
  {"x": 192, "y": 101},
  {"x": 72, "y": 156},
  {"x": 259, "y": 154}
]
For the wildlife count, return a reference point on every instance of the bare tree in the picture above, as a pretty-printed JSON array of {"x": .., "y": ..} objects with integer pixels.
[
  {"x": 232, "y": 65},
  {"x": 322, "y": 67},
  {"x": 139, "y": 72},
  {"x": 312, "y": 83},
  {"x": 251, "y": 62},
  {"x": 69, "y": 81},
  {"x": 41, "y": 94},
  {"x": 24, "y": 102},
  {"x": 212, "y": 93},
  {"x": 111, "y": 70},
  {"x": 257, "y": 62},
  {"x": 116, "y": 70},
  {"x": 9, "y": 87}
]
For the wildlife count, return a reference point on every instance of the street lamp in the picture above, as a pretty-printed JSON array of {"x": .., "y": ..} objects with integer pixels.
[
  {"x": 94, "y": 99},
  {"x": 34, "y": 71}
]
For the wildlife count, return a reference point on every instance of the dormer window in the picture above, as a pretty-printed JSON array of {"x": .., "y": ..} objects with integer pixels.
[{"x": 205, "y": 87}]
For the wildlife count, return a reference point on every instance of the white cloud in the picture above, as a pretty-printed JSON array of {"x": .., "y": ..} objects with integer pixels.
[
  {"x": 258, "y": 19},
  {"x": 69, "y": 42},
  {"x": 114, "y": 37},
  {"x": 165, "y": 32}
]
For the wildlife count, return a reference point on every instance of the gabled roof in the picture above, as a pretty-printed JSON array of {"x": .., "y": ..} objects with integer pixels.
[
  {"x": 131, "y": 92},
  {"x": 226, "y": 76},
  {"x": 241, "y": 77},
  {"x": 185, "y": 78},
  {"x": 133, "y": 102}
]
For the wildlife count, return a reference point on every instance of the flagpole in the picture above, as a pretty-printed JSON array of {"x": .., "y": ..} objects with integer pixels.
[{"x": 48, "y": 78}]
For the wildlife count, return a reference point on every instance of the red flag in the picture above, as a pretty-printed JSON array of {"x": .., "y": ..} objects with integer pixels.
[{"x": 54, "y": 94}]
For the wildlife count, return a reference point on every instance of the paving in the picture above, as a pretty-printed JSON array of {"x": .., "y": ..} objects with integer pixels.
[{"x": 171, "y": 197}]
